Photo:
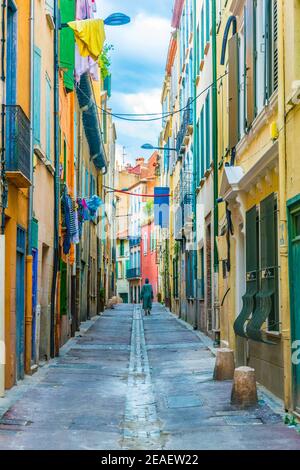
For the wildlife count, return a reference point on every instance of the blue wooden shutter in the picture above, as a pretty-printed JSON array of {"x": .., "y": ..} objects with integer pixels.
[
  {"x": 48, "y": 118},
  {"x": 37, "y": 96}
]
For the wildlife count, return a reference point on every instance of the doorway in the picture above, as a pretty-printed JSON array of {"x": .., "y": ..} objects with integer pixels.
[
  {"x": 20, "y": 301},
  {"x": 294, "y": 263}
]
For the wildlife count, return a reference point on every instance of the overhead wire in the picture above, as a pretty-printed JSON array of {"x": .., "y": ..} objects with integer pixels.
[{"x": 124, "y": 116}]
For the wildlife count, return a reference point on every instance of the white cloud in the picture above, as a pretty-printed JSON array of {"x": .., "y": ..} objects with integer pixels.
[
  {"x": 137, "y": 132},
  {"x": 145, "y": 39}
]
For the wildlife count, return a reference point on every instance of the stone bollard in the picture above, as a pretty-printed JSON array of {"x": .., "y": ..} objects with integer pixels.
[
  {"x": 224, "y": 367},
  {"x": 244, "y": 392}
]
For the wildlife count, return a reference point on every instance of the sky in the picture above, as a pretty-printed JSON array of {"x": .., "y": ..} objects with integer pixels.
[{"x": 138, "y": 68}]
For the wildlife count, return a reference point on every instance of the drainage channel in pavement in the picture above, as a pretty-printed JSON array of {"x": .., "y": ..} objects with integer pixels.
[{"x": 141, "y": 428}]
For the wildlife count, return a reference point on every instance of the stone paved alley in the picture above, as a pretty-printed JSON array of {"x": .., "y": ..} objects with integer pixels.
[{"x": 130, "y": 382}]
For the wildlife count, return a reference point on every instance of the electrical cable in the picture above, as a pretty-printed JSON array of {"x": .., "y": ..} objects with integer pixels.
[
  {"x": 123, "y": 191},
  {"x": 122, "y": 116}
]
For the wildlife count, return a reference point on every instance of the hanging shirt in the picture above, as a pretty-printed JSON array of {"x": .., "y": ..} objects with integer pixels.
[{"x": 89, "y": 36}]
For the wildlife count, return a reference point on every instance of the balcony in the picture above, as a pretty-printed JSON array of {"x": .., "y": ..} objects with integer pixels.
[
  {"x": 134, "y": 241},
  {"x": 133, "y": 273},
  {"x": 17, "y": 146},
  {"x": 186, "y": 128}
]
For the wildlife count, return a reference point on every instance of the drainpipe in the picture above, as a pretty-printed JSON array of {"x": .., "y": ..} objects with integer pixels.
[
  {"x": 286, "y": 333},
  {"x": 215, "y": 132},
  {"x": 3, "y": 79},
  {"x": 28, "y": 309},
  {"x": 54, "y": 289},
  {"x": 195, "y": 260},
  {"x": 215, "y": 167},
  {"x": 2, "y": 219}
]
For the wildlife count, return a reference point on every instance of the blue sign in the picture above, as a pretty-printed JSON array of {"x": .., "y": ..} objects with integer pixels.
[{"x": 162, "y": 207}]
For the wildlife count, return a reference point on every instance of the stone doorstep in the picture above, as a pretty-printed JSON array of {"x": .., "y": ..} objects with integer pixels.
[{"x": 275, "y": 403}]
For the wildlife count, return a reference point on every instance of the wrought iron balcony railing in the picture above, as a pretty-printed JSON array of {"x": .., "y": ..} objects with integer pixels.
[
  {"x": 17, "y": 146},
  {"x": 185, "y": 127},
  {"x": 134, "y": 241},
  {"x": 133, "y": 273}
]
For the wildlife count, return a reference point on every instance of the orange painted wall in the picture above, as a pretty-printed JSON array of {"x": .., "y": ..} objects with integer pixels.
[{"x": 17, "y": 211}]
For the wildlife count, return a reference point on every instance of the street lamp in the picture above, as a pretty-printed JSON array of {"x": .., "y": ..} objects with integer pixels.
[
  {"x": 151, "y": 147},
  {"x": 115, "y": 19}
]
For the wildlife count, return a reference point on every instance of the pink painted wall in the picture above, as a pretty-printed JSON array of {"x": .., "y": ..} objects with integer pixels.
[{"x": 148, "y": 261}]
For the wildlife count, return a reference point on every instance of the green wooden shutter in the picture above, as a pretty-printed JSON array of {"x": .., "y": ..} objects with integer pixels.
[
  {"x": 271, "y": 47},
  {"x": 67, "y": 43},
  {"x": 35, "y": 234},
  {"x": 202, "y": 144},
  {"x": 233, "y": 91},
  {"x": 250, "y": 62},
  {"x": 269, "y": 255},
  {"x": 208, "y": 131},
  {"x": 252, "y": 249}
]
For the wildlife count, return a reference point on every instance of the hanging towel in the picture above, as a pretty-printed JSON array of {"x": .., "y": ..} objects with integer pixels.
[{"x": 89, "y": 36}]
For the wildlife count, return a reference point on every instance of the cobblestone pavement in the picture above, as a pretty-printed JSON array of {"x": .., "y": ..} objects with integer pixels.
[{"x": 131, "y": 382}]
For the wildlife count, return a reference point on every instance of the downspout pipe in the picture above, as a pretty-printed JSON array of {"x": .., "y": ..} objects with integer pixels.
[
  {"x": 230, "y": 22},
  {"x": 195, "y": 182},
  {"x": 4, "y": 193},
  {"x": 28, "y": 309},
  {"x": 286, "y": 326},
  {"x": 56, "y": 182},
  {"x": 2, "y": 235},
  {"x": 215, "y": 133}
]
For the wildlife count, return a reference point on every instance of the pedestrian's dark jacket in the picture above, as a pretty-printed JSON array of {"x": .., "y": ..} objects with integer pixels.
[{"x": 147, "y": 296}]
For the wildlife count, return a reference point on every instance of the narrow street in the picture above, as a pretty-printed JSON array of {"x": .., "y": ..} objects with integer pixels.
[{"x": 131, "y": 382}]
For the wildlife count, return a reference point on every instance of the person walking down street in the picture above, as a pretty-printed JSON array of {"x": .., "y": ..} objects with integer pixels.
[{"x": 147, "y": 297}]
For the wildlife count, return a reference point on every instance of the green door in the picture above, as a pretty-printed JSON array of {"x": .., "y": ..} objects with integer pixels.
[{"x": 294, "y": 258}]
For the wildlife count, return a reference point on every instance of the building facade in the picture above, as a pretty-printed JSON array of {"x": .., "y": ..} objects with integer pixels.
[
  {"x": 57, "y": 154},
  {"x": 231, "y": 246}
]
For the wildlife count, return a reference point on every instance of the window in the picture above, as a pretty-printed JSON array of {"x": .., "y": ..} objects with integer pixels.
[
  {"x": 262, "y": 257},
  {"x": 201, "y": 274},
  {"x": 122, "y": 247},
  {"x": 202, "y": 35},
  {"x": 145, "y": 243},
  {"x": 86, "y": 183},
  {"x": 261, "y": 52},
  {"x": 83, "y": 181},
  {"x": 175, "y": 277},
  {"x": 120, "y": 273},
  {"x": 207, "y": 15},
  {"x": 50, "y": 6}
]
